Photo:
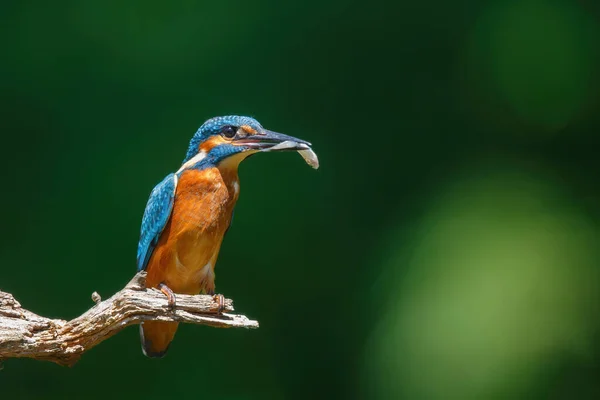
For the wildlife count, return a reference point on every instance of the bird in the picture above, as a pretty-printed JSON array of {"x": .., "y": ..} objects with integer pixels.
[{"x": 189, "y": 212}]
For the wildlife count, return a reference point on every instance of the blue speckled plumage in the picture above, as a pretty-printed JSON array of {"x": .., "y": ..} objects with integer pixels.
[
  {"x": 160, "y": 203},
  {"x": 157, "y": 213},
  {"x": 212, "y": 127}
]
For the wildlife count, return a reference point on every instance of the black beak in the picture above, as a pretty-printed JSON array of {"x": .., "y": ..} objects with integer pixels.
[{"x": 273, "y": 141}]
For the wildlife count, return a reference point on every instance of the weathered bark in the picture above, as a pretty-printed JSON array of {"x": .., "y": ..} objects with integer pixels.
[{"x": 25, "y": 334}]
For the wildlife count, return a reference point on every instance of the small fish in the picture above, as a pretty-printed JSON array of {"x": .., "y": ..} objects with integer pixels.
[
  {"x": 310, "y": 157},
  {"x": 306, "y": 152}
]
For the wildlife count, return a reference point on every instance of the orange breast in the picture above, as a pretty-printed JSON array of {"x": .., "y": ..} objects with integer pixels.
[{"x": 185, "y": 256}]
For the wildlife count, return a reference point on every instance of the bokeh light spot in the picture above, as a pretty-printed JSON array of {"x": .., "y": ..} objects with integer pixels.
[{"x": 499, "y": 281}]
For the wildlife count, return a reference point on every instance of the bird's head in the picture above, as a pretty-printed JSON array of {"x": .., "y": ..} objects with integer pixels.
[{"x": 234, "y": 138}]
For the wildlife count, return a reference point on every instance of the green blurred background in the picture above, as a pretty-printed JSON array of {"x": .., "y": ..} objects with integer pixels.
[{"x": 447, "y": 248}]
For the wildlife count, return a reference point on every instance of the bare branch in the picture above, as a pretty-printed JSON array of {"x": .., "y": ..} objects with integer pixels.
[{"x": 25, "y": 334}]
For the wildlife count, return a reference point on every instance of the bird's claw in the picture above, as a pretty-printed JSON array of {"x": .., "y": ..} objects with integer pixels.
[
  {"x": 170, "y": 295},
  {"x": 220, "y": 299}
]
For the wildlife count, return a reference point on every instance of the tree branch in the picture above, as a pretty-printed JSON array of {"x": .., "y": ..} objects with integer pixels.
[{"x": 25, "y": 334}]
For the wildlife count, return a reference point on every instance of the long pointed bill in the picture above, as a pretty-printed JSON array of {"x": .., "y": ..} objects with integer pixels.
[{"x": 273, "y": 141}]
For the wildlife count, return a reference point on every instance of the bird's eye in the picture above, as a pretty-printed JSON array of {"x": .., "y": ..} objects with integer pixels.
[{"x": 228, "y": 131}]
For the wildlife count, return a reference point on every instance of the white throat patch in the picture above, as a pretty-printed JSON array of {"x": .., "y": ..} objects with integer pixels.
[{"x": 193, "y": 161}]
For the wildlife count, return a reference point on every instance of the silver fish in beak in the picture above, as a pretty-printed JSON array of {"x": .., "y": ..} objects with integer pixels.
[{"x": 268, "y": 141}]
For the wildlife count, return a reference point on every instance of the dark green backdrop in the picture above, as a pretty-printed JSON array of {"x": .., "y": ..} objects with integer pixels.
[{"x": 446, "y": 248}]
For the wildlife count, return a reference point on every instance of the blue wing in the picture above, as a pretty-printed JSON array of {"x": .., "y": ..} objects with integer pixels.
[{"x": 156, "y": 216}]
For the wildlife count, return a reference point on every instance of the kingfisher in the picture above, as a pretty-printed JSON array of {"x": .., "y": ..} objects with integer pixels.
[{"x": 190, "y": 211}]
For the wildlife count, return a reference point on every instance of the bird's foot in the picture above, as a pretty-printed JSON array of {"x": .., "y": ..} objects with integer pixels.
[
  {"x": 170, "y": 295},
  {"x": 220, "y": 299}
]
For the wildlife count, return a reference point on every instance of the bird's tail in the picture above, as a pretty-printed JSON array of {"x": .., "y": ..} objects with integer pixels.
[{"x": 156, "y": 337}]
